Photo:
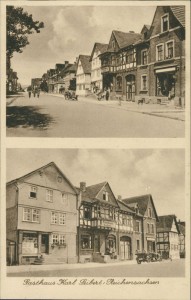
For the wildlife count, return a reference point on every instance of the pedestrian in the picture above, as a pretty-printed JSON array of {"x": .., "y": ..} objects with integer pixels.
[
  {"x": 34, "y": 92},
  {"x": 38, "y": 93},
  {"x": 29, "y": 90},
  {"x": 107, "y": 94}
]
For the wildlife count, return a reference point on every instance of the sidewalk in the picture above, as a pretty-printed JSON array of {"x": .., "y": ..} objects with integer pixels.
[
  {"x": 11, "y": 98},
  {"x": 64, "y": 266},
  {"x": 158, "y": 110}
]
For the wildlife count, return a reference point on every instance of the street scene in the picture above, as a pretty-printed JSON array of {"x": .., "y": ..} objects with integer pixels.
[
  {"x": 66, "y": 226},
  {"x": 109, "y": 82}
]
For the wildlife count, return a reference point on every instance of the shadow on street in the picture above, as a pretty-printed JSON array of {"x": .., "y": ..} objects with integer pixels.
[{"x": 27, "y": 116}]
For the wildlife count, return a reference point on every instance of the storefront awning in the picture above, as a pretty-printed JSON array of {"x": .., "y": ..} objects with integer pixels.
[{"x": 171, "y": 69}]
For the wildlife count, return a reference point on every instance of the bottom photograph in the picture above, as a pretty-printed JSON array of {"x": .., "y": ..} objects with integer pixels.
[{"x": 95, "y": 212}]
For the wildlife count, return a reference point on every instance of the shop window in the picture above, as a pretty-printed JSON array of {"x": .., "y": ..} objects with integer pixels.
[
  {"x": 86, "y": 242},
  {"x": 87, "y": 212},
  {"x": 105, "y": 196},
  {"x": 144, "y": 57},
  {"x": 160, "y": 52},
  {"x": 33, "y": 192},
  {"x": 119, "y": 83},
  {"x": 144, "y": 82},
  {"x": 169, "y": 49},
  {"x": 31, "y": 215},
  {"x": 165, "y": 23},
  {"x": 137, "y": 226},
  {"x": 49, "y": 195}
]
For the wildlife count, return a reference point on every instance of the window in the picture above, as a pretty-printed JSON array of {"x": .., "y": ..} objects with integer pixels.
[
  {"x": 105, "y": 196},
  {"x": 144, "y": 82},
  {"x": 33, "y": 192},
  {"x": 113, "y": 60},
  {"x": 137, "y": 226},
  {"x": 169, "y": 49},
  {"x": 138, "y": 245},
  {"x": 149, "y": 212},
  {"x": 31, "y": 215},
  {"x": 61, "y": 239},
  {"x": 87, "y": 212},
  {"x": 55, "y": 238},
  {"x": 144, "y": 57},
  {"x": 62, "y": 219},
  {"x": 86, "y": 242},
  {"x": 152, "y": 228},
  {"x": 58, "y": 218},
  {"x": 164, "y": 23},
  {"x": 54, "y": 218},
  {"x": 148, "y": 228},
  {"x": 113, "y": 44},
  {"x": 160, "y": 52},
  {"x": 49, "y": 195}
]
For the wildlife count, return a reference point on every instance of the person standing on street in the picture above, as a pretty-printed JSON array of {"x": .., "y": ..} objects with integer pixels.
[
  {"x": 29, "y": 90},
  {"x": 34, "y": 92},
  {"x": 38, "y": 93}
]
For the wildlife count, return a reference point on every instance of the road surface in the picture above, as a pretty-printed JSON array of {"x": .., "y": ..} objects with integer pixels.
[
  {"x": 51, "y": 116},
  {"x": 166, "y": 268}
]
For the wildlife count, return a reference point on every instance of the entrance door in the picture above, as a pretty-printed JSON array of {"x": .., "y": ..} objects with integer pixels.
[
  {"x": 96, "y": 244},
  {"x": 130, "y": 87},
  {"x": 44, "y": 243},
  {"x": 125, "y": 247}
]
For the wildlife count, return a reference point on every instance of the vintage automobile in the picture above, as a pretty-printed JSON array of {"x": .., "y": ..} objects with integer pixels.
[{"x": 148, "y": 257}]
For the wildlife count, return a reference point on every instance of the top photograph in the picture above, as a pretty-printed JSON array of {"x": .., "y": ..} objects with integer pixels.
[{"x": 95, "y": 71}]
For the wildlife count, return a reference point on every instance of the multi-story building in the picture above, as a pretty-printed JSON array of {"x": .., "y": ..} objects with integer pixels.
[
  {"x": 69, "y": 77},
  {"x": 96, "y": 75},
  {"x": 168, "y": 237},
  {"x": 41, "y": 217},
  {"x": 83, "y": 76},
  {"x": 145, "y": 226},
  {"x": 35, "y": 83},
  {"x": 149, "y": 65},
  {"x": 105, "y": 225},
  {"x": 182, "y": 245}
]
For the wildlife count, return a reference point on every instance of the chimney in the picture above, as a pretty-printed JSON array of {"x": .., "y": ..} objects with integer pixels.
[
  {"x": 83, "y": 186},
  {"x": 119, "y": 198}
]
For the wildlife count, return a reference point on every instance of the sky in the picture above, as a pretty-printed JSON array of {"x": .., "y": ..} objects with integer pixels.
[
  {"x": 73, "y": 30},
  {"x": 158, "y": 172}
]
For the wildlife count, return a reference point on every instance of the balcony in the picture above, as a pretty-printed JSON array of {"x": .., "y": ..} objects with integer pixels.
[{"x": 108, "y": 69}]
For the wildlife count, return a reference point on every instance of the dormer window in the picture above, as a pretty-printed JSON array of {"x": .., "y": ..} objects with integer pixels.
[
  {"x": 33, "y": 192},
  {"x": 105, "y": 196},
  {"x": 165, "y": 23}
]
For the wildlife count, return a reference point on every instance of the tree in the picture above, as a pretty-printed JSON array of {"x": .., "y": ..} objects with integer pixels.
[{"x": 19, "y": 25}]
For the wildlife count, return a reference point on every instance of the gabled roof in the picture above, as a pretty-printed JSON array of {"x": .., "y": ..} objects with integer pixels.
[
  {"x": 179, "y": 13},
  {"x": 92, "y": 191},
  {"x": 85, "y": 61},
  {"x": 165, "y": 223},
  {"x": 41, "y": 169},
  {"x": 125, "y": 38},
  {"x": 142, "y": 202},
  {"x": 181, "y": 228},
  {"x": 101, "y": 47},
  {"x": 125, "y": 207}
]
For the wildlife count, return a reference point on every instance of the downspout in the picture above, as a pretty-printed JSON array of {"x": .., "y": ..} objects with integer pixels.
[{"x": 78, "y": 209}]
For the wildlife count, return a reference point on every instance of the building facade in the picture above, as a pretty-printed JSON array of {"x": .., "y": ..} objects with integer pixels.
[
  {"x": 83, "y": 76},
  {"x": 147, "y": 222},
  {"x": 168, "y": 237},
  {"x": 96, "y": 75},
  {"x": 42, "y": 217},
  {"x": 149, "y": 65}
]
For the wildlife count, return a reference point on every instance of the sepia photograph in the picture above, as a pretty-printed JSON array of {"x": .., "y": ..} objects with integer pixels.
[
  {"x": 79, "y": 212},
  {"x": 95, "y": 71}
]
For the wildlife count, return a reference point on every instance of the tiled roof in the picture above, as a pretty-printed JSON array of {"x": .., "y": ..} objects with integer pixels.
[
  {"x": 179, "y": 13},
  {"x": 124, "y": 207},
  {"x": 181, "y": 228},
  {"x": 101, "y": 47},
  {"x": 126, "y": 38},
  {"x": 165, "y": 223},
  {"x": 92, "y": 190},
  {"x": 141, "y": 201},
  {"x": 85, "y": 61}
]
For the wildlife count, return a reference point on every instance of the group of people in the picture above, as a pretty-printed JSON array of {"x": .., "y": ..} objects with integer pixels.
[{"x": 34, "y": 91}]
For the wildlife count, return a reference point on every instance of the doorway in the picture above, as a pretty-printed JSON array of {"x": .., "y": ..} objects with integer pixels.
[
  {"x": 125, "y": 248},
  {"x": 130, "y": 87},
  {"x": 44, "y": 243}
]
